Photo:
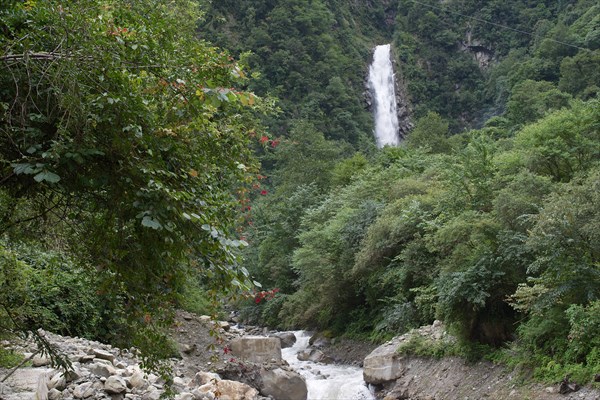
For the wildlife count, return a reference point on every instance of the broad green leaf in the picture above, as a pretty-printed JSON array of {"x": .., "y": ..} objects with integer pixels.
[{"x": 47, "y": 176}]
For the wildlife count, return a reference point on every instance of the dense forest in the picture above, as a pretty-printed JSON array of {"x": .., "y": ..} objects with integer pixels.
[{"x": 142, "y": 170}]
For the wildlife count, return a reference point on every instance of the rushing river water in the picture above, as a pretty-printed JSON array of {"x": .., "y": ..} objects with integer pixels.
[{"x": 326, "y": 381}]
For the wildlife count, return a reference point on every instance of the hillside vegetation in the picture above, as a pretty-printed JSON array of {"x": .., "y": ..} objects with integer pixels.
[
  {"x": 137, "y": 160},
  {"x": 486, "y": 217}
]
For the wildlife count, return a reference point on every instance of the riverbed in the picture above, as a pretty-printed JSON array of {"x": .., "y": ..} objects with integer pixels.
[{"x": 326, "y": 381}]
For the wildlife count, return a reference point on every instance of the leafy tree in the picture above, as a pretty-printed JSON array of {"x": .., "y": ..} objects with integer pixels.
[
  {"x": 127, "y": 138},
  {"x": 430, "y": 133},
  {"x": 579, "y": 74},
  {"x": 530, "y": 100},
  {"x": 564, "y": 143}
]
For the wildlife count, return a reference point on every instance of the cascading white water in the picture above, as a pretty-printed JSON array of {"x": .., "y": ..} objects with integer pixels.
[
  {"x": 382, "y": 86},
  {"x": 326, "y": 381}
]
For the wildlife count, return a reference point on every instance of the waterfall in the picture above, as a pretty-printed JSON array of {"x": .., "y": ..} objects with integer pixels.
[{"x": 381, "y": 84}]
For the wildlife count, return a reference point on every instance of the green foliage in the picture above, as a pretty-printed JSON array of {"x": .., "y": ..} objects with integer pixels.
[
  {"x": 421, "y": 346},
  {"x": 9, "y": 358},
  {"x": 530, "y": 100},
  {"x": 194, "y": 297},
  {"x": 579, "y": 74},
  {"x": 306, "y": 54},
  {"x": 65, "y": 293},
  {"x": 430, "y": 134},
  {"x": 490, "y": 229},
  {"x": 124, "y": 142},
  {"x": 563, "y": 144}
]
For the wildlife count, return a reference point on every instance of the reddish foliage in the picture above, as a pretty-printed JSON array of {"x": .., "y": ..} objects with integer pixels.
[{"x": 265, "y": 295}]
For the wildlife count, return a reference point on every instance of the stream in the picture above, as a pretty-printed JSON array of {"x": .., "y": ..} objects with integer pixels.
[{"x": 326, "y": 381}]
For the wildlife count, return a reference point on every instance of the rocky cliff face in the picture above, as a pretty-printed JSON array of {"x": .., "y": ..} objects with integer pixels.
[
  {"x": 482, "y": 53},
  {"x": 402, "y": 100}
]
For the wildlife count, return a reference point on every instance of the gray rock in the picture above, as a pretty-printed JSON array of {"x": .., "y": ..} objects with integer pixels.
[
  {"x": 73, "y": 375},
  {"x": 187, "y": 349},
  {"x": 5, "y": 388},
  {"x": 198, "y": 395},
  {"x": 84, "y": 390},
  {"x": 54, "y": 394},
  {"x": 58, "y": 381},
  {"x": 103, "y": 354},
  {"x": 115, "y": 385},
  {"x": 383, "y": 364},
  {"x": 137, "y": 381},
  {"x": 287, "y": 339},
  {"x": 40, "y": 361},
  {"x": 283, "y": 385},
  {"x": 26, "y": 379},
  {"x": 202, "y": 378},
  {"x": 103, "y": 370},
  {"x": 257, "y": 349},
  {"x": 86, "y": 358},
  {"x": 151, "y": 394},
  {"x": 179, "y": 384},
  {"x": 224, "y": 325}
]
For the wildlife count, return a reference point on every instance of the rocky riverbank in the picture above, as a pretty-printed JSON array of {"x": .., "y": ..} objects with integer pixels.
[
  {"x": 405, "y": 377},
  {"x": 105, "y": 373},
  {"x": 101, "y": 372}
]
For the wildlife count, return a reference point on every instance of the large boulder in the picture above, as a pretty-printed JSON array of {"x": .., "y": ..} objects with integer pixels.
[
  {"x": 27, "y": 378},
  {"x": 257, "y": 349},
  {"x": 314, "y": 355},
  {"x": 287, "y": 339},
  {"x": 282, "y": 384},
  {"x": 319, "y": 340},
  {"x": 383, "y": 364},
  {"x": 115, "y": 385}
]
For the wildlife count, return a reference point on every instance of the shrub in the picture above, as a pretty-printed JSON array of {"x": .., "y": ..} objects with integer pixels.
[{"x": 47, "y": 290}]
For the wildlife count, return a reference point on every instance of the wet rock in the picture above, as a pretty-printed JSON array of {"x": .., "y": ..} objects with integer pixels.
[
  {"x": 283, "y": 384},
  {"x": 318, "y": 340},
  {"x": 287, "y": 339},
  {"x": 314, "y": 355}
]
